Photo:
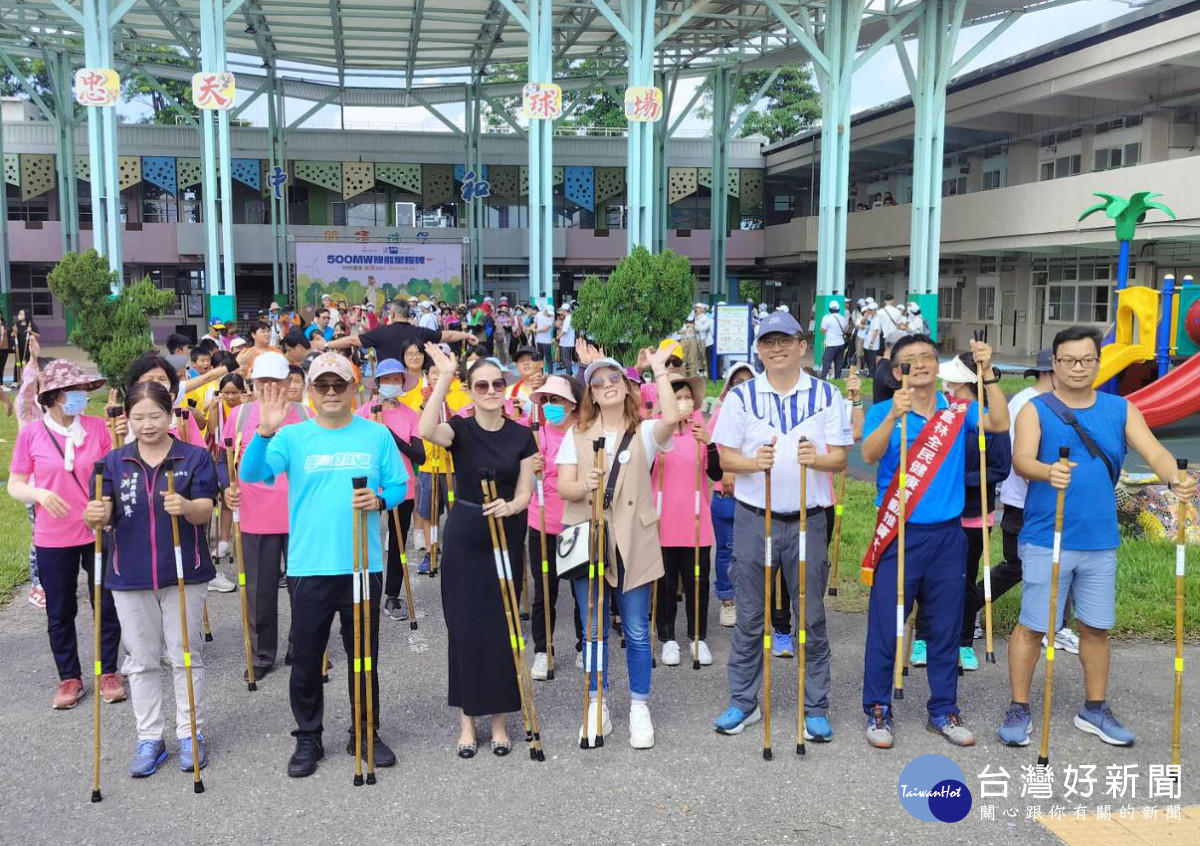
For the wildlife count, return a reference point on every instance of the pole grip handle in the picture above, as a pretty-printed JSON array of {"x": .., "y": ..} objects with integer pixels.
[
  {"x": 904, "y": 368},
  {"x": 359, "y": 482},
  {"x": 1181, "y": 463},
  {"x": 113, "y": 411},
  {"x": 1064, "y": 452}
]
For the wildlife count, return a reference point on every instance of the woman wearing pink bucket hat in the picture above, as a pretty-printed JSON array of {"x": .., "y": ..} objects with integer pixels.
[{"x": 57, "y": 453}]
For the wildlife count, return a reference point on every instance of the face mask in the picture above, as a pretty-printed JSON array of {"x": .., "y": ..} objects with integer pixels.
[
  {"x": 390, "y": 391},
  {"x": 75, "y": 403},
  {"x": 685, "y": 409},
  {"x": 554, "y": 413}
]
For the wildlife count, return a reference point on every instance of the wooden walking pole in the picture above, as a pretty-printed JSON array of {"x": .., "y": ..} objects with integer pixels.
[
  {"x": 197, "y": 783},
  {"x": 802, "y": 604},
  {"x": 113, "y": 412},
  {"x": 358, "y": 482},
  {"x": 989, "y": 653},
  {"x": 910, "y": 626},
  {"x": 767, "y": 567},
  {"x": 835, "y": 554},
  {"x": 778, "y": 590},
  {"x": 1044, "y": 750},
  {"x": 524, "y": 677},
  {"x": 207, "y": 628},
  {"x": 700, "y": 453},
  {"x": 407, "y": 576},
  {"x": 368, "y": 668},
  {"x": 541, "y": 496},
  {"x": 902, "y": 489},
  {"x": 231, "y": 465},
  {"x": 1180, "y": 569},
  {"x": 591, "y": 623},
  {"x": 325, "y": 667},
  {"x": 601, "y": 551},
  {"x": 434, "y": 508},
  {"x": 448, "y": 467},
  {"x": 97, "y": 582},
  {"x": 654, "y": 588}
]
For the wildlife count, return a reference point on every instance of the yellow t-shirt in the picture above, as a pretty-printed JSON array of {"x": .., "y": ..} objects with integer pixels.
[{"x": 456, "y": 398}]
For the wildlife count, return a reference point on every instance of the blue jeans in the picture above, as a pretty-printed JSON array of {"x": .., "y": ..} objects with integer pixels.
[
  {"x": 722, "y": 520},
  {"x": 634, "y": 606}
]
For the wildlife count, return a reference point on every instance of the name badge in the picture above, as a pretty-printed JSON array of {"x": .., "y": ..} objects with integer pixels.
[{"x": 623, "y": 458}]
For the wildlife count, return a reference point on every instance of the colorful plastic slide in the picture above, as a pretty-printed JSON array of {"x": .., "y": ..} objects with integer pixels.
[
  {"x": 1172, "y": 397},
  {"x": 1137, "y": 307}
]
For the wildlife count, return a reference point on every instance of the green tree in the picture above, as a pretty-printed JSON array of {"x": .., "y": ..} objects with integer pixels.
[
  {"x": 137, "y": 88},
  {"x": 32, "y": 71},
  {"x": 645, "y": 298},
  {"x": 599, "y": 110},
  {"x": 790, "y": 104},
  {"x": 113, "y": 331}
]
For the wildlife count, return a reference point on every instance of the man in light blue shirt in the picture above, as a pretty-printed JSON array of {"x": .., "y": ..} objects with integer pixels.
[{"x": 321, "y": 458}]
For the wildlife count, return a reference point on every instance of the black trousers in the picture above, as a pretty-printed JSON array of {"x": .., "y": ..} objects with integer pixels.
[
  {"x": 395, "y": 572},
  {"x": 537, "y": 607},
  {"x": 832, "y": 357},
  {"x": 315, "y": 602},
  {"x": 3, "y": 361},
  {"x": 58, "y": 569},
  {"x": 263, "y": 560},
  {"x": 679, "y": 564}
]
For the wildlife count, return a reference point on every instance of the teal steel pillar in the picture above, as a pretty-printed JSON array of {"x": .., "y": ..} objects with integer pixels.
[
  {"x": 102, "y": 139},
  {"x": 639, "y": 177},
  {"x": 539, "y": 25},
  {"x": 662, "y": 138},
  {"x": 474, "y": 205},
  {"x": 5, "y": 271},
  {"x": 278, "y": 279},
  {"x": 58, "y": 68},
  {"x": 722, "y": 88},
  {"x": 216, "y": 170}
]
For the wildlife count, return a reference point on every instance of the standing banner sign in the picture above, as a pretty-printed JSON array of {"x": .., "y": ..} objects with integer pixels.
[
  {"x": 733, "y": 335},
  {"x": 377, "y": 272}
]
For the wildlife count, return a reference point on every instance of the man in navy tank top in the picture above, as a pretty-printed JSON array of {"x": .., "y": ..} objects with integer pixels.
[{"x": 1098, "y": 428}]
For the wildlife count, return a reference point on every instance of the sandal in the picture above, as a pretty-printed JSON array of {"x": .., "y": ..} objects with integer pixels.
[
  {"x": 500, "y": 748},
  {"x": 467, "y": 750}
]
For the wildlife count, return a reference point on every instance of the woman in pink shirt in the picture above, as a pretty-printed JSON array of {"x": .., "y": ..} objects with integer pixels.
[
  {"x": 683, "y": 475},
  {"x": 553, "y": 413},
  {"x": 58, "y": 453}
]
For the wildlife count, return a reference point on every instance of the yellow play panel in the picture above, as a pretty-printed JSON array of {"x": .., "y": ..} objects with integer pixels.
[{"x": 1130, "y": 832}]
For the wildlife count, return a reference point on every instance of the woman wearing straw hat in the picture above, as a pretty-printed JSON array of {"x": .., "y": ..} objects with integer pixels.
[{"x": 51, "y": 468}]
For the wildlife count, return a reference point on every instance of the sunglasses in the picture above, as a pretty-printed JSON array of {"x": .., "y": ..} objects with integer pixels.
[
  {"x": 330, "y": 387},
  {"x": 482, "y": 386},
  {"x": 605, "y": 381},
  {"x": 674, "y": 361}
]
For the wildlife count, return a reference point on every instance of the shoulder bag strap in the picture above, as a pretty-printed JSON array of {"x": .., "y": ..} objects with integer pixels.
[
  {"x": 611, "y": 487},
  {"x": 58, "y": 447},
  {"x": 1060, "y": 410}
]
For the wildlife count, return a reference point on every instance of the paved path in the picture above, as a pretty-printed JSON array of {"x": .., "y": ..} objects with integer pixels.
[{"x": 694, "y": 787}]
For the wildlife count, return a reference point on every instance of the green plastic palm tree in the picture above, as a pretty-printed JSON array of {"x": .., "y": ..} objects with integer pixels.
[{"x": 1127, "y": 213}]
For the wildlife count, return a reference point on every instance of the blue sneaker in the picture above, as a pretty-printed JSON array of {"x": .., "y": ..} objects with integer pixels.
[
  {"x": 185, "y": 753},
  {"x": 1104, "y": 725},
  {"x": 968, "y": 658},
  {"x": 149, "y": 756},
  {"x": 735, "y": 720},
  {"x": 817, "y": 729},
  {"x": 781, "y": 645},
  {"x": 423, "y": 567},
  {"x": 1014, "y": 731},
  {"x": 917, "y": 657}
]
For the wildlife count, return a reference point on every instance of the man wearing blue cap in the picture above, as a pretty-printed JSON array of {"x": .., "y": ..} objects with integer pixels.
[{"x": 781, "y": 412}]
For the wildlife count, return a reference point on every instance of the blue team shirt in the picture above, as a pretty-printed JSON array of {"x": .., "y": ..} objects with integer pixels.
[
  {"x": 944, "y": 498},
  {"x": 320, "y": 464}
]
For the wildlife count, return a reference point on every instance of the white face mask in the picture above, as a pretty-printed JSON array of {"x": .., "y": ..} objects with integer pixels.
[
  {"x": 390, "y": 391},
  {"x": 686, "y": 408}
]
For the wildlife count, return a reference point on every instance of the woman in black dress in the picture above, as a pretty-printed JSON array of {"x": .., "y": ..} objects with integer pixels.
[{"x": 482, "y": 677}]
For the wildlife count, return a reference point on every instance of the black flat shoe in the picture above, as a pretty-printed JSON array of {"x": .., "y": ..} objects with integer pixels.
[
  {"x": 466, "y": 750},
  {"x": 304, "y": 760},
  {"x": 500, "y": 748}
]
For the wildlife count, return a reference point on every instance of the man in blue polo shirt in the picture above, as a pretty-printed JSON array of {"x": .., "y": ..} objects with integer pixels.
[{"x": 935, "y": 550}]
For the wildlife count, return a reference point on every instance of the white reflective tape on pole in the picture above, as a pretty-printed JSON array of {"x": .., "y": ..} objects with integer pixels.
[
  {"x": 803, "y": 548},
  {"x": 433, "y": 530},
  {"x": 1180, "y": 560},
  {"x": 179, "y": 564},
  {"x": 507, "y": 565},
  {"x": 587, "y": 656},
  {"x": 767, "y": 556},
  {"x": 237, "y": 517},
  {"x": 499, "y": 564},
  {"x": 1057, "y": 546},
  {"x": 697, "y": 503},
  {"x": 357, "y": 589},
  {"x": 541, "y": 494},
  {"x": 899, "y": 621},
  {"x": 987, "y": 584},
  {"x": 658, "y": 503},
  {"x": 97, "y": 568}
]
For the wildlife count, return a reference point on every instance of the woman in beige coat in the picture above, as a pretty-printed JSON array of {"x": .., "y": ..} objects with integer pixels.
[{"x": 610, "y": 410}]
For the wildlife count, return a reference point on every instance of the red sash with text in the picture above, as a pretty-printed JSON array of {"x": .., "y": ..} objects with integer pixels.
[{"x": 925, "y": 456}]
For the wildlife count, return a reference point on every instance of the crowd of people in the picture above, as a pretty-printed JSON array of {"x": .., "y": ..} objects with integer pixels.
[{"x": 300, "y": 449}]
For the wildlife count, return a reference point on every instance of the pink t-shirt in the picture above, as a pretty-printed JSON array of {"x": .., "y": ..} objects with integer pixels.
[
  {"x": 678, "y": 477},
  {"x": 34, "y": 454},
  {"x": 406, "y": 424},
  {"x": 264, "y": 509},
  {"x": 551, "y": 438}
]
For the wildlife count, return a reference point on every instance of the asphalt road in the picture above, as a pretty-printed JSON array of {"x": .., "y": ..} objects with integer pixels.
[{"x": 695, "y": 787}]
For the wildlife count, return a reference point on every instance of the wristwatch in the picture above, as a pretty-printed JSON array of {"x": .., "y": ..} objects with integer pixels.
[{"x": 994, "y": 380}]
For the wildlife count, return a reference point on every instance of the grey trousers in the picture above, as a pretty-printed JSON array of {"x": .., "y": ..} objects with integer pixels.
[
  {"x": 746, "y": 571},
  {"x": 263, "y": 559}
]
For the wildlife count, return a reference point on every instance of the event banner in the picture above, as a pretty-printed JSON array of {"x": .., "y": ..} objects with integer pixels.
[{"x": 377, "y": 272}]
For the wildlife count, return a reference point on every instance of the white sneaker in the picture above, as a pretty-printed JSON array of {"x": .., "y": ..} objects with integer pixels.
[
  {"x": 641, "y": 729},
  {"x": 670, "y": 653},
  {"x": 705, "y": 655},
  {"x": 978, "y": 626},
  {"x": 223, "y": 549},
  {"x": 590, "y": 728},
  {"x": 579, "y": 660},
  {"x": 541, "y": 666},
  {"x": 1067, "y": 640},
  {"x": 221, "y": 584},
  {"x": 728, "y": 613}
]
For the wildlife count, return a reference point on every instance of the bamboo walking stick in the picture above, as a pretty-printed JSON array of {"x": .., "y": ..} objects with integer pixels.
[
  {"x": 113, "y": 412},
  {"x": 902, "y": 489},
  {"x": 541, "y": 496},
  {"x": 910, "y": 626},
  {"x": 434, "y": 508},
  {"x": 990, "y": 654},
  {"x": 197, "y": 783},
  {"x": 407, "y": 576},
  {"x": 835, "y": 554},
  {"x": 231, "y": 465},
  {"x": 601, "y": 551},
  {"x": 654, "y": 588},
  {"x": 700, "y": 452},
  {"x": 368, "y": 669},
  {"x": 358, "y": 482},
  {"x": 1044, "y": 751},
  {"x": 591, "y": 623},
  {"x": 767, "y": 567},
  {"x": 97, "y": 582},
  {"x": 1180, "y": 569},
  {"x": 325, "y": 667},
  {"x": 448, "y": 466},
  {"x": 524, "y": 677},
  {"x": 802, "y": 604},
  {"x": 207, "y": 627}
]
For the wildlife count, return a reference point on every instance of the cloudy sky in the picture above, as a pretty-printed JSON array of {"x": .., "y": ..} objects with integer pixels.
[{"x": 879, "y": 81}]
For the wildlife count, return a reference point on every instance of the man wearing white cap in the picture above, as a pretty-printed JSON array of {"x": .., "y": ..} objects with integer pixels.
[
  {"x": 833, "y": 327},
  {"x": 872, "y": 336},
  {"x": 321, "y": 458},
  {"x": 916, "y": 323},
  {"x": 262, "y": 515},
  {"x": 704, "y": 331}
]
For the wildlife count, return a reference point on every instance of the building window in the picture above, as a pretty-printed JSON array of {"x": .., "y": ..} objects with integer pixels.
[
  {"x": 988, "y": 265},
  {"x": 950, "y": 303},
  {"x": 158, "y": 206},
  {"x": 985, "y": 310},
  {"x": 163, "y": 277},
  {"x": 1123, "y": 155},
  {"x": 954, "y": 186},
  {"x": 30, "y": 291},
  {"x": 993, "y": 179},
  {"x": 1062, "y": 166},
  {"x": 35, "y": 208}
]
